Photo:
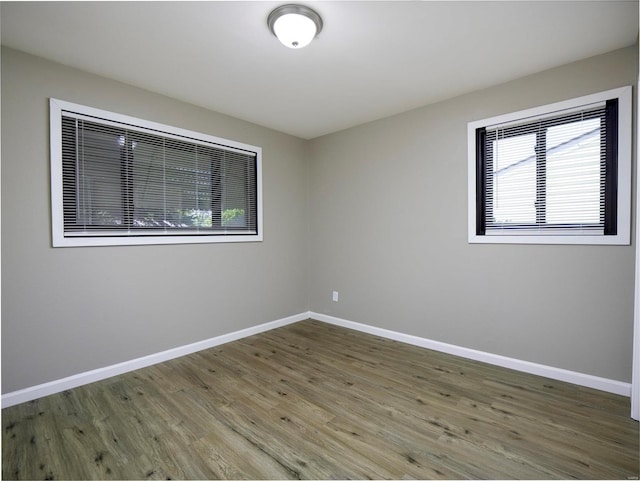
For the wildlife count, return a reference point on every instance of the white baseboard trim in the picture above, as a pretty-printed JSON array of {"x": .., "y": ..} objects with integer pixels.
[
  {"x": 53, "y": 387},
  {"x": 580, "y": 379},
  {"x": 81, "y": 379}
]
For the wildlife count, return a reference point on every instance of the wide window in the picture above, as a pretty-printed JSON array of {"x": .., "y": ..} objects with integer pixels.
[
  {"x": 555, "y": 174},
  {"x": 121, "y": 180}
]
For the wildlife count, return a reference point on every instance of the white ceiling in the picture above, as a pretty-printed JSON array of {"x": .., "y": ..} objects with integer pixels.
[{"x": 371, "y": 60}]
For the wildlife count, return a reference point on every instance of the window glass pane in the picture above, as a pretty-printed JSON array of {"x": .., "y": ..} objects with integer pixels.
[
  {"x": 574, "y": 173},
  {"x": 100, "y": 186},
  {"x": 192, "y": 201},
  {"x": 136, "y": 180},
  {"x": 147, "y": 176},
  {"x": 172, "y": 186},
  {"x": 234, "y": 198},
  {"x": 514, "y": 180}
]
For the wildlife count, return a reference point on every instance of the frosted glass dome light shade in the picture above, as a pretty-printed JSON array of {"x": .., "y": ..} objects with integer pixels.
[
  {"x": 294, "y": 31},
  {"x": 294, "y": 25}
]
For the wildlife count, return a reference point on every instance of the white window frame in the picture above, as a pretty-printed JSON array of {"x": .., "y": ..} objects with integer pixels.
[
  {"x": 56, "y": 108},
  {"x": 622, "y": 237}
]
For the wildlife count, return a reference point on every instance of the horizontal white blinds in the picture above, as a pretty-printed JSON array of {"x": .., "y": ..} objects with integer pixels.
[
  {"x": 547, "y": 174},
  {"x": 124, "y": 180}
]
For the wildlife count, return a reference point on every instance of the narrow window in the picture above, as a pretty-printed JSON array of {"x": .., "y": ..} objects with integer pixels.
[{"x": 120, "y": 180}]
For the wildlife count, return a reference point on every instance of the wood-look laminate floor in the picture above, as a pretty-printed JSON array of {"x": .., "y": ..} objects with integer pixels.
[{"x": 312, "y": 400}]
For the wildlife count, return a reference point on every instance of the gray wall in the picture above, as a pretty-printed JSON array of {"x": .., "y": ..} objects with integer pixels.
[
  {"x": 389, "y": 232},
  {"x": 377, "y": 212},
  {"x": 70, "y": 310}
]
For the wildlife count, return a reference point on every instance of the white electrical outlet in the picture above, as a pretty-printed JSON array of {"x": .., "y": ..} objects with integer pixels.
[{"x": 335, "y": 296}]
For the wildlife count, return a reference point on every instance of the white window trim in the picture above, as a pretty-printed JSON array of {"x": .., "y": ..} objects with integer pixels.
[
  {"x": 56, "y": 107},
  {"x": 624, "y": 173}
]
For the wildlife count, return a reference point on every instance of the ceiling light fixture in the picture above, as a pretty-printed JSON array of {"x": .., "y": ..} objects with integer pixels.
[{"x": 294, "y": 25}]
